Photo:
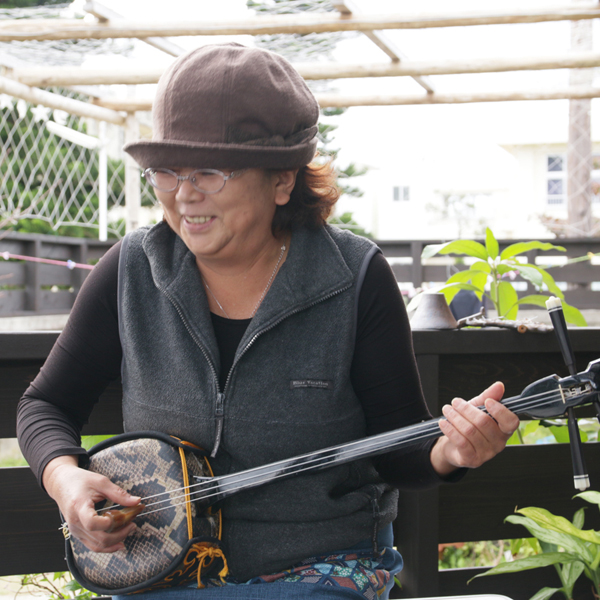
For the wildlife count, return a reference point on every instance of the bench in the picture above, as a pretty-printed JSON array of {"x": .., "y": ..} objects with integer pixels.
[{"x": 451, "y": 363}]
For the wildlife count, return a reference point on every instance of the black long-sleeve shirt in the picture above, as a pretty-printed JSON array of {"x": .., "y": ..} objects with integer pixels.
[{"x": 87, "y": 357}]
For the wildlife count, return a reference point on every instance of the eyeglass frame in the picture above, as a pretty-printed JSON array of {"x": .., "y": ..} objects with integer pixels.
[{"x": 182, "y": 178}]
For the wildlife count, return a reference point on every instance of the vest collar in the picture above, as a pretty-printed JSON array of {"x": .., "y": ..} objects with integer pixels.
[{"x": 313, "y": 271}]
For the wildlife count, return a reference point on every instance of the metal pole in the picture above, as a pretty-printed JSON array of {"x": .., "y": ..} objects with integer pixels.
[
  {"x": 102, "y": 184},
  {"x": 579, "y": 149},
  {"x": 132, "y": 177}
]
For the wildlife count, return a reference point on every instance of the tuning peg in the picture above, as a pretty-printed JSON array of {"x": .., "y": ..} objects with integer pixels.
[{"x": 555, "y": 310}]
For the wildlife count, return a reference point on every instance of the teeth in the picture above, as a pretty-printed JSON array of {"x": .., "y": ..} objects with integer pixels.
[{"x": 200, "y": 220}]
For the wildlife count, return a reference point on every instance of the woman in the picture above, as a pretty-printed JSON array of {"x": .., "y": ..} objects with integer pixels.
[{"x": 244, "y": 324}]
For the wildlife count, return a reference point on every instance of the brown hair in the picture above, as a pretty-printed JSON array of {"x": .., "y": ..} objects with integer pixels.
[{"x": 311, "y": 201}]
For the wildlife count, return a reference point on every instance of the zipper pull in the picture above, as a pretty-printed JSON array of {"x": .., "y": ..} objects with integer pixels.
[{"x": 218, "y": 424}]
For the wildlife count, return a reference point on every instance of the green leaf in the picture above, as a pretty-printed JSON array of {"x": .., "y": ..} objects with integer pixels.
[
  {"x": 530, "y": 562},
  {"x": 573, "y": 315},
  {"x": 514, "y": 440},
  {"x": 579, "y": 518},
  {"x": 548, "y": 548},
  {"x": 550, "y": 283},
  {"x": 461, "y": 276},
  {"x": 516, "y": 545},
  {"x": 72, "y": 586},
  {"x": 522, "y": 247},
  {"x": 559, "y": 524},
  {"x": 571, "y": 572},
  {"x": 536, "y": 299},
  {"x": 561, "y": 434},
  {"x": 479, "y": 280},
  {"x": 503, "y": 268},
  {"x": 590, "y": 496},
  {"x": 453, "y": 289},
  {"x": 507, "y": 300},
  {"x": 480, "y": 265},
  {"x": 531, "y": 274},
  {"x": 545, "y": 593},
  {"x": 491, "y": 244},
  {"x": 468, "y": 247},
  {"x": 550, "y": 536}
]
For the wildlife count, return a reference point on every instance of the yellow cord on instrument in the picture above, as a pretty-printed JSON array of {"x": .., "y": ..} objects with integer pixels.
[
  {"x": 206, "y": 555},
  {"x": 188, "y": 503}
]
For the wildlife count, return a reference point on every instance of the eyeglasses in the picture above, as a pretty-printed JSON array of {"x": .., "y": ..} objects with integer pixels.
[{"x": 207, "y": 181}]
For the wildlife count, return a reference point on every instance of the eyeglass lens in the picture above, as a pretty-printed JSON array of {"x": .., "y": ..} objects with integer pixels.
[{"x": 203, "y": 180}]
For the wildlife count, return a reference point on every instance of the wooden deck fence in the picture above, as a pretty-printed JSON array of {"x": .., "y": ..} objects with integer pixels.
[
  {"x": 28, "y": 288},
  {"x": 451, "y": 362}
]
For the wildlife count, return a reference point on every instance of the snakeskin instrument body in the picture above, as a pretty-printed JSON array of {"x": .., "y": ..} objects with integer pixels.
[{"x": 150, "y": 468}]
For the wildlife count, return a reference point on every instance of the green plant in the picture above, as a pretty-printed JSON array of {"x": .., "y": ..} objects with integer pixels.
[
  {"x": 55, "y": 586},
  {"x": 562, "y": 543},
  {"x": 492, "y": 268}
]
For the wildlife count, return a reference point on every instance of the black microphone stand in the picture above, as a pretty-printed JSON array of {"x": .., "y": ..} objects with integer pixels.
[{"x": 581, "y": 479}]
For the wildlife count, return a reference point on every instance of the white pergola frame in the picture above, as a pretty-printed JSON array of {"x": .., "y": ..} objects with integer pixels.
[{"x": 25, "y": 82}]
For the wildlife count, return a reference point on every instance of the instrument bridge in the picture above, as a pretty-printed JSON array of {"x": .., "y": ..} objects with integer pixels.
[{"x": 577, "y": 390}]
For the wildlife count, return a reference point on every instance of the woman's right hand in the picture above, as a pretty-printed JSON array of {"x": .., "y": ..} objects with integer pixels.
[{"x": 76, "y": 491}]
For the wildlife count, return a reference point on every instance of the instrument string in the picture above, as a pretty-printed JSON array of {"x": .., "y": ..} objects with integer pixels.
[{"x": 410, "y": 435}]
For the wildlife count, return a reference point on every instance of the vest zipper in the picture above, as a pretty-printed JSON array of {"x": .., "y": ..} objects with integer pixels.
[
  {"x": 220, "y": 406},
  {"x": 219, "y": 424},
  {"x": 219, "y": 410}
]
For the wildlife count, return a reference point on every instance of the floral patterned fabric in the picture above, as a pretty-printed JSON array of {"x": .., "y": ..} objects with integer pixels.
[{"x": 359, "y": 571}]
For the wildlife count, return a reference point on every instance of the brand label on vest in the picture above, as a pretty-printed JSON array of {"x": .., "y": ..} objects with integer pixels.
[{"x": 311, "y": 383}]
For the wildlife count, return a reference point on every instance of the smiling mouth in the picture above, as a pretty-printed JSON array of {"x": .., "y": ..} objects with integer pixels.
[{"x": 197, "y": 220}]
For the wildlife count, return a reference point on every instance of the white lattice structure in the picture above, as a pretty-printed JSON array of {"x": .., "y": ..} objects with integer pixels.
[{"x": 46, "y": 177}]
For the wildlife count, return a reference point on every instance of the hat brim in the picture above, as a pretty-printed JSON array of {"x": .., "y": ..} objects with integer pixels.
[{"x": 149, "y": 154}]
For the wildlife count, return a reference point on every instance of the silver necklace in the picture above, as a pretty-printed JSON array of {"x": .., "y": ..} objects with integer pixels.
[{"x": 262, "y": 296}]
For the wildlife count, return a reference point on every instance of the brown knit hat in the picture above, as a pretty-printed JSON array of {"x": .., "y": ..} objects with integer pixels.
[{"x": 230, "y": 106}]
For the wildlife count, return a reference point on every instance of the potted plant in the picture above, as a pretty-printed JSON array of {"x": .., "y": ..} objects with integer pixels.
[
  {"x": 489, "y": 275},
  {"x": 580, "y": 554}
]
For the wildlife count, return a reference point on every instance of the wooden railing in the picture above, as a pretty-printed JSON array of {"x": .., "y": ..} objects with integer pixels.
[
  {"x": 33, "y": 288},
  {"x": 458, "y": 362},
  {"x": 28, "y": 288}
]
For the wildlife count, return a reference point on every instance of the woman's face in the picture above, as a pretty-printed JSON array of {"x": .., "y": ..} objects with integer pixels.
[{"x": 231, "y": 223}]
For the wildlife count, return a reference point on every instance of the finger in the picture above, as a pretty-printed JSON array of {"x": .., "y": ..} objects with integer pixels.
[
  {"x": 469, "y": 421},
  {"x": 508, "y": 421},
  {"x": 494, "y": 391},
  {"x": 118, "y": 495},
  {"x": 482, "y": 434},
  {"x": 460, "y": 430},
  {"x": 99, "y": 541}
]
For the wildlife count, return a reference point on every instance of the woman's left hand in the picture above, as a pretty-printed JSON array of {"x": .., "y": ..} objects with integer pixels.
[{"x": 471, "y": 437}]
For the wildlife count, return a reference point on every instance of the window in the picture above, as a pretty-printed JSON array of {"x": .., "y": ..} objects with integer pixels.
[
  {"x": 401, "y": 192},
  {"x": 557, "y": 182}
]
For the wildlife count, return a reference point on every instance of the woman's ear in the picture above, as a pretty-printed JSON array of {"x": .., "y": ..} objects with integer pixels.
[{"x": 284, "y": 184}]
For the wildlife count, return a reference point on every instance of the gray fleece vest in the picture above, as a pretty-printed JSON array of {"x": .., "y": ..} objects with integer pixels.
[{"x": 288, "y": 392}]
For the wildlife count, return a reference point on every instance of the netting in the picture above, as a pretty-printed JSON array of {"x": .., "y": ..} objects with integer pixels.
[
  {"x": 49, "y": 182},
  {"x": 58, "y": 52}
]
